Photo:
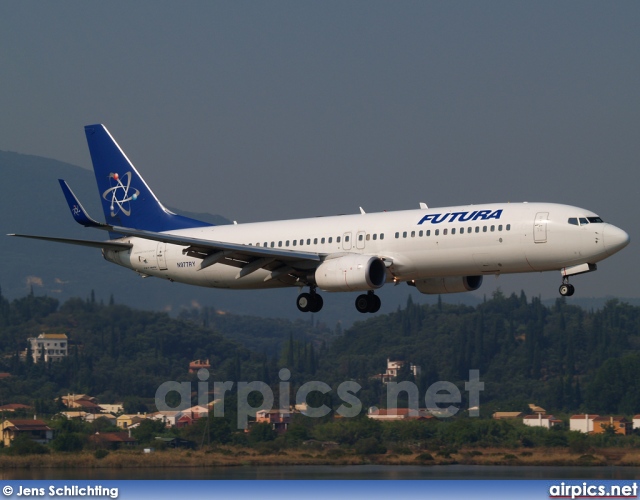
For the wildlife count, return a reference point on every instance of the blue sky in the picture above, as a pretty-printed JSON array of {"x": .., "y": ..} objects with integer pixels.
[{"x": 271, "y": 110}]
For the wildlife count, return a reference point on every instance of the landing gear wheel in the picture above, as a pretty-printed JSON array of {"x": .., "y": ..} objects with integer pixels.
[
  {"x": 304, "y": 302},
  {"x": 369, "y": 303},
  {"x": 309, "y": 302},
  {"x": 374, "y": 303},
  {"x": 317, "y": 303},
  {"x": 362, "y": 303},
  {"x": 567, "y": 290}
]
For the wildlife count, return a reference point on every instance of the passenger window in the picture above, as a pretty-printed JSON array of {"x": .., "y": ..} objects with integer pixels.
[
  {"x": 382, "y": 236},
  {"x": 272, "y": 244},
  {"x": 265, "y": 244},
  {"x": 428, "y": 232},
  {"x": 420, "y": 233},
  {"x": 287, "y": 243},
  {"x": 308, "y": 241},
  {"x": 368, "y": 237},
  {"x": 437, "y": 232},
  {"x": 453, "y": 230},
  {"x": 322, "y": 241},
  {"x": 404, "y": 234},
  {"x": 573, "y": 220},
  {"x": 484, "y": 229},
  {"x": 338, "y": 239},
  {"x": 346, "y": 238},
  {"x": 469, "y": 229},
  {"x": 493, "y": 228},
  {"x": 500, "y": 227},
  {"x": 477, "y": 229},
  {"x": 295, "y": 242},
  {"x": 279, "y": 243},
  {"x": 301, "y": 242},
  {"x": 445, "y": 232},
  {"x": 413, "y": 234},
  {"x": 508, "y": 227},
  {"x": 583, "y": 221},
  {"x": 360, "y": 237},
  {"x": 315, "y": 241},
  {"x": 330, "y": 239},
  {"x": 375, "y": 237}
]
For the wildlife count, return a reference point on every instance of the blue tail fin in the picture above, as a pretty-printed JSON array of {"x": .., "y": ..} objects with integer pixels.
[{"x": 127, "y": 201}]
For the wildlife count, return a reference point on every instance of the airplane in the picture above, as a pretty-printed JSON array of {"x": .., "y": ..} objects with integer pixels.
[{"x": 436, "y": 250}]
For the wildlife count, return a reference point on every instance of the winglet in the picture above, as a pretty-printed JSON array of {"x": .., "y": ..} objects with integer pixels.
[{"x": 77, "y": 210}]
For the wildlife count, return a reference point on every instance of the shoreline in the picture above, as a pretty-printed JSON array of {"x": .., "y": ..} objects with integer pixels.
[{"x": 233, "y": 457}]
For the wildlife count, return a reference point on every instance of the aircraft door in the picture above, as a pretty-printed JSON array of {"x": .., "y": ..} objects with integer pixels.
[
  {"x": 540, "y": 227},
  {"x": 346, "y": 241},
  {"x": 360, "y": 237},
  {"x": 161, "y": 251}
]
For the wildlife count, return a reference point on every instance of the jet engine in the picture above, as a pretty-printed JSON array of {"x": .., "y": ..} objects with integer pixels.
[
  {"x": 450, "y": 284},
  {"x": 351, "y": 273}
]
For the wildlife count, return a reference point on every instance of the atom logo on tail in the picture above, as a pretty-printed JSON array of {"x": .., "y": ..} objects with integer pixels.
[{"x": 122, "y": 202}]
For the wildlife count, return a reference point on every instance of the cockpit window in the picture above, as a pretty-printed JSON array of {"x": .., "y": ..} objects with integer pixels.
[
  {"x": 583, "y": 221},
  {"x": 595, "y": 220},
  {"x": 573, "y": 220}
]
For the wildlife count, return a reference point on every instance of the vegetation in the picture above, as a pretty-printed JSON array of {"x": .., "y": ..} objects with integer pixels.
[{"x": 562, "y": 357}]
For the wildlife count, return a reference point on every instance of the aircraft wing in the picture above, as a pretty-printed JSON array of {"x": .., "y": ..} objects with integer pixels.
[
  {"x": 208, "y": 246},
  {"x": 108, "y": 245},
  {"x": 282, "y": 263},
  {"x": 287, "y": 265}
]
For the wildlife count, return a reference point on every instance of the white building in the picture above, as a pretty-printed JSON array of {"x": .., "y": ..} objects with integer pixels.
[
  {"x": 539, "y": 420},
  {"x": 111, "y": 408},
  {"x": 399, "y": 414},
  {"x": 636, "y": 421},
  {"x": 169, "y": 417},
  {"x": 582, "y": 423},
  {"x": 51, "y": 346},
  {"x": 393, "y": 368}
]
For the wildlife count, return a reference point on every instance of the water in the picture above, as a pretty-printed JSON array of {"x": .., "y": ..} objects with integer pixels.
[{"x": 398, "y": 472}]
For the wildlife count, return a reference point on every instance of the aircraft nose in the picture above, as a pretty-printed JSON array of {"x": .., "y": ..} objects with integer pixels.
[{"x": 615, "y": 239}]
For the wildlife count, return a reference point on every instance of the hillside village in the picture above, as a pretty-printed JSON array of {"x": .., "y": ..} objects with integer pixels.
[
  {"x": 59, "y": 383},
  {"x": 111, "y": 416}
]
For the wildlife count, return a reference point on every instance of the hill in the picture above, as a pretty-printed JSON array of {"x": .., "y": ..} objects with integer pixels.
[{"x": 562, "y": 357}]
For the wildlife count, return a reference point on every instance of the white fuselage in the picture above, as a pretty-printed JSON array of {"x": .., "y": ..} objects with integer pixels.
[{"x": 415, "y": 244}]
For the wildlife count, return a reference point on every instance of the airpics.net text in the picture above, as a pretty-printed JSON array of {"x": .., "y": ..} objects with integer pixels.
[{"x": 436, "y": 396}]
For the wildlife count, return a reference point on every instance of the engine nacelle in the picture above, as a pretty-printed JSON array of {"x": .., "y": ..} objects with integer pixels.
[
  {"x": 450, "y": 284},
  {"x": 351, "y": 273}
]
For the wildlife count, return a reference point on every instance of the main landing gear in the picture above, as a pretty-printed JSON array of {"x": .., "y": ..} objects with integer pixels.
[
  {"x": 309, "y": 302},
  {"x": 312, "y": 302},
  {"x": 566, "y": 289},
  {"x": 368, "y": 303}
]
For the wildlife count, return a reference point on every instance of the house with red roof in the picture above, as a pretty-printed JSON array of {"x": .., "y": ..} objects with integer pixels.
[
  {"x": 112, "y": 440},
  {"x": 582, "y": 423},
  {"x": 36, "y": 430},
  {"x": 620, "y": 425},
  {"x": 15, "y": 406}
]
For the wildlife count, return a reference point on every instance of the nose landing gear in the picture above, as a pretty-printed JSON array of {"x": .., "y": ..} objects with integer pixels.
[{"x": 566, "y": 289}]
